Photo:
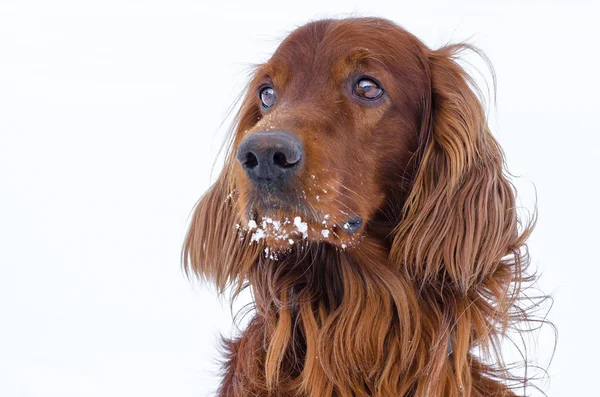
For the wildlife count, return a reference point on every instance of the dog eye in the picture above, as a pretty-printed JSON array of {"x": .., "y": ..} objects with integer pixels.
[
  {"x": 368, "y": 89},
  {"x": 267, "y": 96}
]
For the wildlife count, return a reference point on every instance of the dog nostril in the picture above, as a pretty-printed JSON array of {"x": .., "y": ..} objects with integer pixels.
[
  {"x": 280, "y": 160},
  {"x": 251, "y": 161}
]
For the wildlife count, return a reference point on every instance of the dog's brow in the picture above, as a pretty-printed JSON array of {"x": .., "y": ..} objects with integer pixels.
[
  {"x": 359, "y": 59},
  {"x": 277, "y": 72}
]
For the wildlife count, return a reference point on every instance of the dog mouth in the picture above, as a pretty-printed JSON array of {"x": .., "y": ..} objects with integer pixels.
[
  {"x": 280, "y": 226},
  {"x": 353, "y": 224}
]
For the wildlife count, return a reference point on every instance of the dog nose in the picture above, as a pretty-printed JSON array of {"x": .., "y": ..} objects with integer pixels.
[{"x": 269, "y": 157}]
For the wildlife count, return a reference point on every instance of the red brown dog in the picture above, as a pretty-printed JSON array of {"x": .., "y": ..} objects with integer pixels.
[{"x": 364, "y": 203}]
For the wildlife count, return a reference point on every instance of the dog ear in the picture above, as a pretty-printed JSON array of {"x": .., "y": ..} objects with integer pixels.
[
  {"x": 214, "y": 249},
  {"x": 459, "y": 220}
]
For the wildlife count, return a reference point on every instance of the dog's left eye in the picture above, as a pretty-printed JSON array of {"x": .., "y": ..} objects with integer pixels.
[
  {"x": 267, "y": 96},
  {"x": 368, "y": 89}
]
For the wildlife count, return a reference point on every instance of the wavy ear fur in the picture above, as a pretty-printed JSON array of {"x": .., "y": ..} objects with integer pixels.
[
  {"x": 459, "y": 219},
  {"x": 213, "y": 248},
  {"x": 459, "y": 238}
]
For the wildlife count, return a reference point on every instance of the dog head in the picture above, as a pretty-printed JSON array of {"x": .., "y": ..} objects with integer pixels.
[{"x": 352, "y": 130}]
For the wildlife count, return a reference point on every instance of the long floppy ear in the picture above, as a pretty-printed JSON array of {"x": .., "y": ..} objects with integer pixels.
[
  {"x": 459, "y": 220},
  {"x": 215, "y": 249}
]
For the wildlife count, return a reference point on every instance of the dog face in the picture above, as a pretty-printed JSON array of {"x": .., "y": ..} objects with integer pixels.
[{"x": 327, "y": 131}]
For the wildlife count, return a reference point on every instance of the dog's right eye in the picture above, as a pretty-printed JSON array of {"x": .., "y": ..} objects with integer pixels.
[
  {"x": 367, "y": 88},
  {"x": 267, "y": 96}
]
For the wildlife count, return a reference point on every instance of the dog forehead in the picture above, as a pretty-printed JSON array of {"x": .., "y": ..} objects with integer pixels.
[
  {"x": 324, "y": 49},
  {"x": 340, "y": 35}
]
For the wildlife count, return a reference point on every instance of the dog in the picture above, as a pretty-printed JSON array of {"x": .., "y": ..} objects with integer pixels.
[{"x": 364, "y": 202}]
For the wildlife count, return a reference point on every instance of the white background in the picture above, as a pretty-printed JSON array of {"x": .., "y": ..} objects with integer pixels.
[{"x": 109, "y": 125}]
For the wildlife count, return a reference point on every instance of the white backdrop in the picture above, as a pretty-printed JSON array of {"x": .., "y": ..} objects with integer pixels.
[{"x": 109, "y": 125}]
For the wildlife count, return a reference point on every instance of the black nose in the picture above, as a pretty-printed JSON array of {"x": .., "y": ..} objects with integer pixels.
[{"x": 269, "y": 157}]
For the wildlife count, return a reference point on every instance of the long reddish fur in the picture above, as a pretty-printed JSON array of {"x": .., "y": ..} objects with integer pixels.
[{"x": 437, "y": 275}]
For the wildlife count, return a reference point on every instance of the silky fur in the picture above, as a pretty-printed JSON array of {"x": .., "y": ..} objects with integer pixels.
[{"x": 419, "y": 306}]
